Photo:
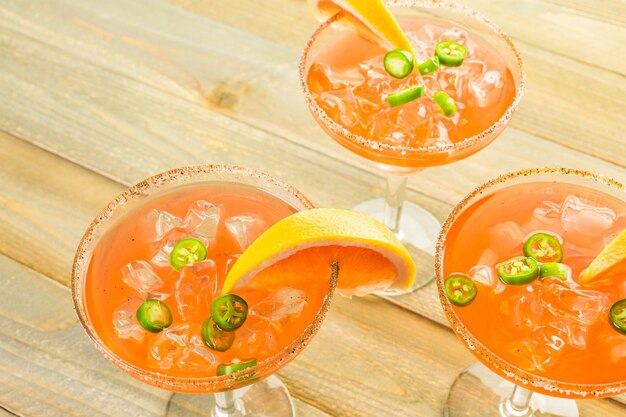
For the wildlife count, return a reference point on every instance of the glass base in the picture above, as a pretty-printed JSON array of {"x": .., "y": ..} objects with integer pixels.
[
  {"x": 266, "y": 398},
  {"x": 418, "y": 232},
  {"x": 478, "y": 392}
]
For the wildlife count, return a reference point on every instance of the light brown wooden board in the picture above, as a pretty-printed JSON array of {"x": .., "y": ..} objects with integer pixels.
[{"x": 127, "y": 97}]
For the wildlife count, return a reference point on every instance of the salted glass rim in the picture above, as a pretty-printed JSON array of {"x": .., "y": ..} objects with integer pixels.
[
  {"x": 502, "y": 366},
  {"x": 213, "y": 173},
  {"x": 407, "y": 150}
]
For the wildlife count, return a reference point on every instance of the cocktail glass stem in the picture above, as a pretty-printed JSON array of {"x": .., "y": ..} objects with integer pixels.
[
  {"x": 225, "y": 405},
  {"x": 517, "y": 404},
  {"x": 394, "y": 201}
]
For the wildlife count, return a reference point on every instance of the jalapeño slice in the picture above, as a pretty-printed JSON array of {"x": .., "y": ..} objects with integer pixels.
[
  {"x": 187, "y": 252},
  {"x": 216, "y": 338},
  {"x": 229, "y": 311},
  {"x": 398, "y": 63},
  {"x": 428, "y": 66},
  {"x": 450, "y": 53},
  {"x": 617, "y": 316},
  {"x": 404, "y": 96},
  {"x": 445, "y": 102},
  {"x": 460, "y": 289},
  {"x": 154, "y": 315},
  {"x": 518, "y": 271},
  {"x": 231, "y": 368},
  {"x": 543, "y": 247},
  {"x": 554, "y": 269}
]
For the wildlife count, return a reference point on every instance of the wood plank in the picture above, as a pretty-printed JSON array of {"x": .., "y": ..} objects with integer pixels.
[
  {"x": 6, "y": 413},
  {"x": 45, "y": 206},
  {"x": 613, "y": 11}
]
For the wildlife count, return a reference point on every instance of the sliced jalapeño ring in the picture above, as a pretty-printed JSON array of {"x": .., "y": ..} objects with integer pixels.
[
  {"x": 518, "y": 271},
  {"x": 460, "y": 289}
]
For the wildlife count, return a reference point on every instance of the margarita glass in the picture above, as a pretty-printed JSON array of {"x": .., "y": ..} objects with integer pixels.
[
  {"x": 126, "y": 257},
  {"x": 336, "y": 59},
  {"x": 550, "y": 335}
]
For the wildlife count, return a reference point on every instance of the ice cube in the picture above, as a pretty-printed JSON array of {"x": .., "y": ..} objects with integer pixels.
[
  {"x": 162, "y": 257},
  {"x": 585, "y": 218},
  {"x": 484, "y": 274},
  {"x": 140, "y": 276},
  {"x": 568, "y": 300},
  {"x": 486, "y": 89},
  {"x": 245, "y": 228},
  {"x": 195, "y": 288},
  {"x": 256, "y": 338},
  {"x": 547, "y": 214},
  {"x": 341, "y": 105},
  {"x": 163, "y": 223},
  {"x": 202, "y": 218},
  {"x": 505, "y": 237},
  {"x": 125, "y": 323},
  {"x": 318, "y": 77},
  {"x": 537, "y": 353},
  {"x": 196, "y": 354},
  {"x": 170, "y": 346},
  {"x": 280, "y": 305},
  {"x": 229, "y": 263},
  {"x": 525, "y": 310},
  {"x": 454, "y": 34}
]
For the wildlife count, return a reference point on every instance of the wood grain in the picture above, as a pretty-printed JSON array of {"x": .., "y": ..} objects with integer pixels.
[{"x": 98, "y": 95}]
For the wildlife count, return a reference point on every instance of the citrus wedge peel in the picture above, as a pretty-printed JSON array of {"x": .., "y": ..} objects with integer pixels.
[
  {"x": 369, "y": 16},
  {"x": 369, "y": 256},
  {"x": 613, "y": 254}
]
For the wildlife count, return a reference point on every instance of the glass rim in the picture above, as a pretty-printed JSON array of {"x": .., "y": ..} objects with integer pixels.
[
  {"x": 197, "y": 383},
  {"x": 433, "y": 149},
  {"x": 520, "y": 376}
]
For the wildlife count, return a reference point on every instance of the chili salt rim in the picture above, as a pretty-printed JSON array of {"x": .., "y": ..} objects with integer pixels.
[
  {"x": 407, "y": 150},
  {"x": 191, "y": 384},
  {"x": 505, "y": 368}
]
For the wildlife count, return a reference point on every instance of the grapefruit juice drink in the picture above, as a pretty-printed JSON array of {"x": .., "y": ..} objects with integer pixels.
[
  {"x": 553, "y": 326},
  {"x": 133, "y": 263},
  {"x": 349, "y": 82},
  {"x": 531, "y": 272}
]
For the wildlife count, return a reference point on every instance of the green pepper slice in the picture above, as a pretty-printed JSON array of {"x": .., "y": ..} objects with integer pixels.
[
  {"x": 554, "y": 269},
  {"x": 154, "y": 315},
  {"x": 518, "y": 271},
  {"x": 216, "y": 338},
  {"x": 460, "y": 290},
  {"x": 231, "y": 368},
  {"x": 450, "y": 53},
  {"x": 617, "y": 314},
  {"x": 429, "y": 66},
  {"x": 187, "y": 252},
  {"x": 543, "y": 247},
  {"x": 229, "y": 311},
  {"x": 404, "y": 96},
  {"x": 445, "y": 102},
  {"x": 398, "y": 63}
]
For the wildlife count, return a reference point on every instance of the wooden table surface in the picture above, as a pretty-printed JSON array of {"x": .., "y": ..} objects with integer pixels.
[{"x": 96, "y": 95}]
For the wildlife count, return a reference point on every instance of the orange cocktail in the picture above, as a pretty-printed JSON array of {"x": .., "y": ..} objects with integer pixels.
[
  {"x": 148, "y": 283},
  {"x": 447, "y": 98},
  {"x": 518, "y": 246}
]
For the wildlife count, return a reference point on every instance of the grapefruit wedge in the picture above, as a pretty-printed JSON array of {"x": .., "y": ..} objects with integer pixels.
[
  {"x": 370, "y": 18},
  {"x": 613, "y": 254},
  {"x": 308, "y": 244}
]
